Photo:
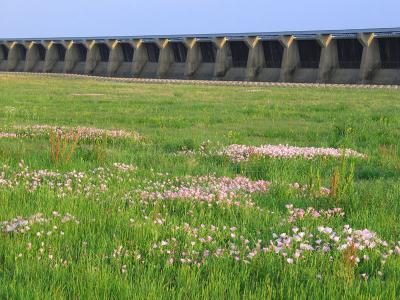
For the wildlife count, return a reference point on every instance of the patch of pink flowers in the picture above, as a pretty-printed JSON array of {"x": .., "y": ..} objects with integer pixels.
[
  {"x": 300, "y": 213},
  {"x": 38, "y": 230},
  {"x": 362, "y": 244},
  {"x": 239, "y": 153},
  {"x": 90, "y": 183},
  {"x": 84, "y": 132},
  {"x": 207, "y": 189},
  {"x": 11, "y": 135},
  {"x": 322, "y": 191},
  {"x": 211, "y": 189},
  {"x": 21, "y": 225},
  {"x": 195, "y": 245}
]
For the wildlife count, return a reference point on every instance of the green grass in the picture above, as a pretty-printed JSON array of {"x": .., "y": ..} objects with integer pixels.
[{"x": 175, "y": 117}]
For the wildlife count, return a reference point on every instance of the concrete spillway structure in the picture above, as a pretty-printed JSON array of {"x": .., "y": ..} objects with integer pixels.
[{"x": 344, "y": 56}]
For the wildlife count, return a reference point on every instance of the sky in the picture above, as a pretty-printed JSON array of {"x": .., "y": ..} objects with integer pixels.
[{"x": 86, "y": 18}]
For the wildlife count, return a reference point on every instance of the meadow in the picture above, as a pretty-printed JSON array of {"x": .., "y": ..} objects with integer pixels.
[{"x": 113, "y": 190}]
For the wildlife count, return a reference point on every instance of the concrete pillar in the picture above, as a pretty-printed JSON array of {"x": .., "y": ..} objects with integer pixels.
[
  {"x": 256, "y": 59},
  {"x": 52, "y": 57},
  {"x": 93, "y": 57},
  {"x": 193, "y": 60},
  {"x": 32, "y": 56},
  {"x": 222, "y": 63},
  {"x": 290, "y": 58},
  {"x": 166, "y": 57},
  {"x": 329, "y": 60},
  {"x": 371, "y": 60},
  {"x": 140, "y": 57},
  {"x": 72, "y": 56},
  {"x": 116, "y": 58},
  {"x": 14, "y": 57}
]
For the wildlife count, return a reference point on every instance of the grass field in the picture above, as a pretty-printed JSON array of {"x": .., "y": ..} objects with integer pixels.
[{"x": 142, "y": 229}]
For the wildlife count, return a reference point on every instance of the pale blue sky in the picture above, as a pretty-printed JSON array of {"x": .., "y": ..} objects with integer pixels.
[{"x": 57, "y": 18}]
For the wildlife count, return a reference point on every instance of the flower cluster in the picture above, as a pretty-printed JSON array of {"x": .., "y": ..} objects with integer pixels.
[
  {"x": 39, "y": 231},
  {"x": 88, "y": 183},
  {"x": 206, "y": 189},
  {"x": 122, "y": 255},
  {"x": 212, "y": 190},
  {"x": 304, "y": 188},
  {"x": 125, "y": 167},
  {"x": 83, "y": 132},
  {"x": 354, "y": 246},
  {"x": 239, "y": 153},
  {"x": 196, "y": 244},
  {"x": 21, "y": 225},
  {"x": 9, "y": 135},
  {"x": 207, "y": 148},
  {"x": 300, "y": 213}
]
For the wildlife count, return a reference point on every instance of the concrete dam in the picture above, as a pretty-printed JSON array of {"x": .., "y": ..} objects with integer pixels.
[{"x": 370, "y": 56}]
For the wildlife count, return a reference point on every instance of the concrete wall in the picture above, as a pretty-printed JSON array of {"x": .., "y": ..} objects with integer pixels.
[{"x": 285, "y": 58}]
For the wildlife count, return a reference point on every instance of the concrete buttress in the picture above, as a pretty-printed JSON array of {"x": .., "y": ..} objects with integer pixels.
[
  {"x": 193, "y": 60},
  {"x": 256, "y": 59},
  {"x": 140, "y": 57},
  {"x": 329, "y": 60},
  {"x": 166, "y": 58},
  {"x": 371, "y": 60},
  {"x": 221, "y": 61},
  {"x": 32, "y": 56},
  {"x": 51, "y": 57},
  {"x": 290, "y": 58},
  {"x": 71, "y": 57},
  {"x": 93, "y": 57},
  {"x": 116, "y": 58},
  {"x": 14, "y": 56}
]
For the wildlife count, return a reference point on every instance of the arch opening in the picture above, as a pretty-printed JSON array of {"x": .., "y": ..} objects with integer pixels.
[
  {"x": 4, "y": 52},
  {"x": 127, "y": 51},
  {"x": 61, "y": 51},
  {"x": 180, "y": 52},
  {"x": 153, "y": 52},
  {"x": 310, "y": 53},
  {"x": 240, "y": 53},
  {"x": 81, "y": 51},
  {"x": 104, "y": 52},
  {"x": 390, "y": 53},
  {"x": 21, "y": 51},
  {"x": 273, "y": 53},
  {"x": 41, "y": 51},
  {"x": 208, "y": 52},
  {"x": 349, "y": 53}
]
